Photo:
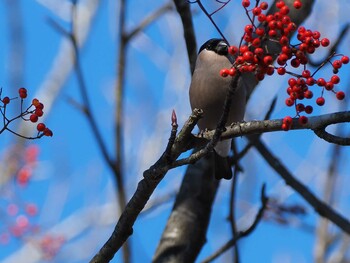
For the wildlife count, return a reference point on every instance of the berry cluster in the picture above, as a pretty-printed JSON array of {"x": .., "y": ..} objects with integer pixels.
[
  {"x": 20, "y": 214},
  {"x": 34, "y": 111},
  {"x": 254, "y": 56}
]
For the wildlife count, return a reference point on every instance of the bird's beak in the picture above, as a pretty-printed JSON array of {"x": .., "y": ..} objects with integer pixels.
[{"x": 222, "y": 48}]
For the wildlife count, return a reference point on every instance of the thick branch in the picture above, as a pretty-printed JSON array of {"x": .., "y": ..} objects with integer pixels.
[{"x": 316, "y": 123}]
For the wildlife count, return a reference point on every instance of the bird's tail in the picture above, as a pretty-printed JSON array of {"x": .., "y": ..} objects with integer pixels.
[{"x": 221, "y": 161}]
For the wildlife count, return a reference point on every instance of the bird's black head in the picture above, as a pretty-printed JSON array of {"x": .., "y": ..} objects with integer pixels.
[{"x": 217, "y": 45}]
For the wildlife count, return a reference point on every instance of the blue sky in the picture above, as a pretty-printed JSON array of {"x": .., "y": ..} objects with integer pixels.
[{"x": 72, "y": 185}]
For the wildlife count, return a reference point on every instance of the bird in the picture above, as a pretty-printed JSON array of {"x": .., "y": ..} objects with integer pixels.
[{"x": 208, "y": 91}]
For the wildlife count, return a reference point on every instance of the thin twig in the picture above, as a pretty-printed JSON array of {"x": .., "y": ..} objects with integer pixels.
[
  {"x": 334, "y": 47},
  {"x": 241, "y": 234},
  {"x": 210, "y": 18},
  {"x": 148, "y": 20},
  {"x": 232, "y": 209}
]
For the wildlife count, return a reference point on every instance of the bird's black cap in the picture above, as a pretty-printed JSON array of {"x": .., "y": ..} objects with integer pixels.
[{"x": 217, "y": 45}]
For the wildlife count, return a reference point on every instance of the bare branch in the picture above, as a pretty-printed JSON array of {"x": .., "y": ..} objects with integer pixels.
[
  {"x": 320, "y": 207},
  {"x": 244, "y": 233},
  {"x": 232, "y": 210},
  {"x": 183, "y": 8},
  {"x": 145, "y": 188},
  {"x": 315, "y": 123},
  {"x": 148, "y": 20},
  {"x": 201, "y": 6}
]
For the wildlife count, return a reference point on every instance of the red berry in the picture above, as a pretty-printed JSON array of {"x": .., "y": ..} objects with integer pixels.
[
  {"x": 284, "y": 10},
  {"x": 40, "y": 127},
  {"x": 48, "y": 132},
  {"x": 22, "y": 90},
  {"x": 248, "y": 56},
  {"x": 320, "y": 101},
  {"x": 31, "y": 209},
  {"x": 306, "y": 73},
  {"x": 335, "y": 79},
  {"x": 340, "y": 95},
  {"x": 280, "y": 4},
  {"x": 286, "y": 123},
  {"x": 243, "y": 48},
  {"x": 256, "y": 11},
  {"x": 329, "y": 85},
  {"x": 39, "y": 106},
  {"x": 224, "y": 72},
  {"x": 240, "y": 60},
  {"x": 248, "y": 37},
  {"x": 292, "y": 82},
  {"x": 22, "y": 93},
  {"x": 310, "y": 81},
  {"x": 245, "y": 3},
  {"x": 297, "y": 4},
  {"x": 308, "y": 109},
  {"x": 264, "y": 5},
  {"x": 300, "y": 107},
  {"x": 272, "y": 33},
  {"x": 39, "y": 112},
  {"x": 259, "y": 52},
  {"x": 35, "y": 102},
  {"x": 345, "y": 59},
  {"x": 261, "y": 18},
  {"x": 281, "y": 71},
  {"x": 6, "y": 100},
  {"x": 301, "y": 29},
  {"x": 270, "y": 71},
  {"x": 308, "y": 94},
  {"x": 321, "y": 82},
  {"x": 232, "y": 50},
  {"x": 303, "y": 120},
  {"x": 268, "y": 60},
  {"x": 325, "y": 42},
  {"x": 295, "y": 63},
  {"x": 291, "y": 27},
  {"x": 33, "y": 118},
  {"x": 256, "y": 42},
  {"x": 269, "y": 18},
  {"x": 232, "y": 71},
  {"x": 248, "y": 29},
  {"x": 287, "y": 120},
  {"x": 316, "y": 35},
  {"x": 285, "y": 127},
  {"x": 337, "y": 64},
  {"x": 281, "y": 60},
  {"x": 289, "y": 102},
  {"x": 260, "y": 31},
  {"x": 284, "y": 41}
]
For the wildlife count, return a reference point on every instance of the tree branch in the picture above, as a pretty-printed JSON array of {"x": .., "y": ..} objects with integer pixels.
[
  {"x": 183, "y": 8},
  {"x": 145, "y": 188},
  {"x": 241, "y": 234},
  {"x": 320, "y": 207}
]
